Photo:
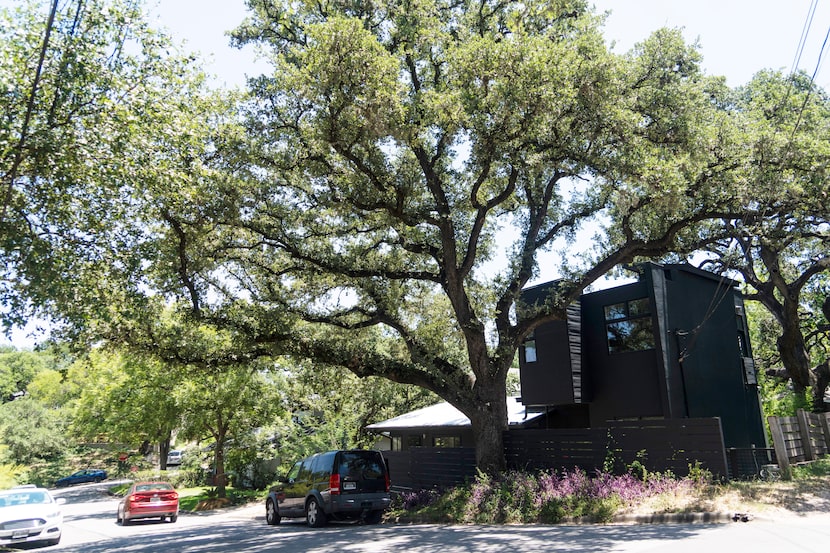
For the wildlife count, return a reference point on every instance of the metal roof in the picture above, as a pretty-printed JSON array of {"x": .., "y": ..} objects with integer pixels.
[{"x": 445, "y": 415}]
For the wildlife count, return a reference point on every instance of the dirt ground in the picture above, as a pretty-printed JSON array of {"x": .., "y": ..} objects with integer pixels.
[{"x": 768, "y": 499}]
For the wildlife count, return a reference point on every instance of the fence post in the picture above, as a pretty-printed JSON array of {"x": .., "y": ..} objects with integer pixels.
[
  {"x": 804, "y": 430},
  {"x": 781, "y": 453},
  {"x": 825, "y": 429}
]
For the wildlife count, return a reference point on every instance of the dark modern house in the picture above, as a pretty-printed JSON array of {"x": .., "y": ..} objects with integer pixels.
[
  {"x": 672, "y": 345},
  {"x": 662, "y": 365}
]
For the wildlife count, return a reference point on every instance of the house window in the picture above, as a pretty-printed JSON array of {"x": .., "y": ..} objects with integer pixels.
[
  {"x": 446, "y": 441},
  {"x": 414, "y": 440},
  {"x": 530, "y": 351},
  {"x": 628, "y": 326},
  {"x": 396, "y": 443}
]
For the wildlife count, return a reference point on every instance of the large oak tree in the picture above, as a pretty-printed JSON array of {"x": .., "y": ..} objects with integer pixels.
[
  {"x": 398, "y": 151},
  {"x": 401, "y": 171}
]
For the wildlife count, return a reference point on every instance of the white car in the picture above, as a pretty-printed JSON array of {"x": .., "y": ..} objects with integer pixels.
[
  {"x": 29, "y": 514},
  {"x": 174, "y": 457}
]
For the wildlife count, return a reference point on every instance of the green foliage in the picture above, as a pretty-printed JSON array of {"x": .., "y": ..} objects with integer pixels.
[
  {"x": 19, "y": 368},
  {"x": 107, "y": 113},
  {"x": 10, "y": 474},
  {"x": 700, "y": 475},
  {"x": 124, "y": 397},
  {"x": 190, "y": 473},
  {"x": 330, "y": 408},
  {"x": 637, "y": 468},
  {"x": 30, "y": 431},
  {"x": 778, "y": 398},
  {"x": 817, "y": 468}
]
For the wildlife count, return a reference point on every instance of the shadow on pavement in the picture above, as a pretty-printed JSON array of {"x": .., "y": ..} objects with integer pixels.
[{"x": 296, "y": 538}]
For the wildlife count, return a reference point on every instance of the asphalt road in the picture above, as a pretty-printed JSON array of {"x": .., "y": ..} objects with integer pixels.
[{"x": 90, "y": 527}]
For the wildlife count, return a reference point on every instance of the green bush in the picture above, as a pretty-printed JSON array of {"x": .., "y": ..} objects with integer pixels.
[{"x": 11, "y": 475}]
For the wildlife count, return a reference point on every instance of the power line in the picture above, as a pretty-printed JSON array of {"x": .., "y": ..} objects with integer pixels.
[
  {"x": 812, "y": 81},
  {"x": 805, "y": 31}
]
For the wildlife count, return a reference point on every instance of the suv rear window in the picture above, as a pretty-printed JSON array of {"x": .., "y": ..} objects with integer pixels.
[{"x": 366, "y": 468}]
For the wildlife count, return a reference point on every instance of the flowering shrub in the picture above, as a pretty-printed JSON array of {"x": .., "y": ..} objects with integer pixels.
[{"x": 547, "y": 497}]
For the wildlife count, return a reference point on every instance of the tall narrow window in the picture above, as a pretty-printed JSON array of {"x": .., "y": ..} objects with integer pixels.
[
  {"x": 628, "y": 326},
  {"x": 530, "y": 351}
]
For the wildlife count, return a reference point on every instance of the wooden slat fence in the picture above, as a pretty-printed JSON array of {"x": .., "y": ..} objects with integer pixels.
[
  {"x": 427, "y": 467},
  {"x": 561, "y": 448},
  {"x": 666, "y": 444},
  {"x": 799, "y": 439}
]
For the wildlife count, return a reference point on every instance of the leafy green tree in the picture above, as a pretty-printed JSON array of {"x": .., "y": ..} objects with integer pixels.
[
  {"x": 31, "y": 431},
  {"x": 48, "y": 388},
  {"x": 223, "y": 404},
  {"x": 96, "y": 109},
  {"x": 331, "y": 407},
  {"x": 780, "y": 245},
  {"x": 127, "y": 398},
  {"x": 18, "y": 369},
  {"x": 390, "y": 146}
]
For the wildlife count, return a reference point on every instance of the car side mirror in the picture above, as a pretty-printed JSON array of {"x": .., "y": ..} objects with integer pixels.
[{"x": 60, "y": 500}]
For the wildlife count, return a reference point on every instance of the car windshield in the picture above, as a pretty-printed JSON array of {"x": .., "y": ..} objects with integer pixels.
[{"x": 34, "y": 497}]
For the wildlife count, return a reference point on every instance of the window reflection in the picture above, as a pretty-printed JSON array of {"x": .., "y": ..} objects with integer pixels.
[{"x": 629, "y": 326}]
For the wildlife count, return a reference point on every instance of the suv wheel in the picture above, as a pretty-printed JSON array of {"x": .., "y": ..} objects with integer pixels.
[
  {"x": 314, "y": 514},
  {"x": 272, "y": 517}
]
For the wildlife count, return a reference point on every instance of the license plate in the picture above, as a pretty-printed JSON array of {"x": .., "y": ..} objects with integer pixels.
[
  {"x": 20, "y": 534},
  {"x": 155, "y": 500},
  {"x": 349, "y": 485}
]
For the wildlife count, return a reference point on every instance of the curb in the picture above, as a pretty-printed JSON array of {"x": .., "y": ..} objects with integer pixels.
[
  {"x": 653, "y": 518},
  {"x": 680, "y": 518}
]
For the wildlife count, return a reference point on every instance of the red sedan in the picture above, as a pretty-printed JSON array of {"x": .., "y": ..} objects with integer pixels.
[{"x": 149, "y": 500}]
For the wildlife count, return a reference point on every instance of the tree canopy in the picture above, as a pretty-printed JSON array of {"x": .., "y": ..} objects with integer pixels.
[
  {"x": 378, "y": 201},
  {"x": 398, "y": 151},
  {"x": 780, "y": 246}
]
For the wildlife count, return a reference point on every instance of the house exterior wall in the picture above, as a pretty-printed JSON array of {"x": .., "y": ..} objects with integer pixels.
[
  {"x": 672, "y": 345},
  {"x": 708, "y": 350},
  {"x": 624, "y": 384},
  {"x": 541, "y": 384}
]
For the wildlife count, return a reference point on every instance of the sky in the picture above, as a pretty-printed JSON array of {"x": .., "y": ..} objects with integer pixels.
[{"x": 737, "y": 38}]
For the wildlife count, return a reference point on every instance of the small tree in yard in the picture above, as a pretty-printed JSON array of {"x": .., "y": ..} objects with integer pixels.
[{"x": 223, "y": 404}]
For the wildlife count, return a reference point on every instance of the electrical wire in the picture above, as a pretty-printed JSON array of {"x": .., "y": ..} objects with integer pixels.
[
  {"x": 810, "y": 88},
  {"x": 805, "y": 31}
]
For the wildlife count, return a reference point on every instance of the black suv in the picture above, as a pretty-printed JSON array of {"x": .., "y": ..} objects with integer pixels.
[{"x": 346, "y": 484}]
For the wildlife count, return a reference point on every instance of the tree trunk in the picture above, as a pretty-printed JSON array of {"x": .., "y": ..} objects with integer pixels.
[
  {"x": 794, "y": 356},
  {"x": 164, "y": 449},
  {"x": 822, "y": 374},
  {"x": 489, "y": 421},
  {"x": 220, "y": 480}
]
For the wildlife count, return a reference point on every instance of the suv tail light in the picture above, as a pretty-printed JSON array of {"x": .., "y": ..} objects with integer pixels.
[
  {"x": 334, "y": 484},
  {"x": 388, "y": 481}
]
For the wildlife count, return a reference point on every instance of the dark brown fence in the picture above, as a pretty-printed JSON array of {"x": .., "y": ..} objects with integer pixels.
[
  {"x": 659, "y": 444},
  {"x": 799, "y": 439},
  {"x": 427, "y": 467},
  {"x": 666, "y": 444}
]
